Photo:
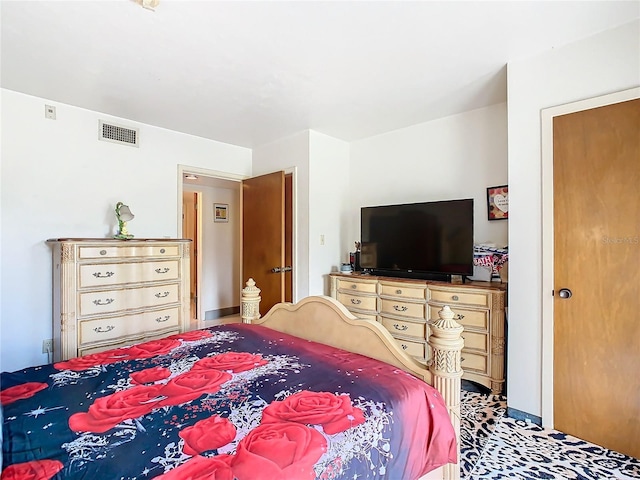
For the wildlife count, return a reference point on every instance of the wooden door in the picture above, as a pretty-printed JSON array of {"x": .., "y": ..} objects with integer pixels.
[
  {"x": 596, "y": 369},
  {"x": 190, "y": 231},
  {"x": 263, "y": 236}
]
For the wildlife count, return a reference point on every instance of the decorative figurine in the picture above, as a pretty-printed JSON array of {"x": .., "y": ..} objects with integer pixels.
[{"x": 124, "y": 215}]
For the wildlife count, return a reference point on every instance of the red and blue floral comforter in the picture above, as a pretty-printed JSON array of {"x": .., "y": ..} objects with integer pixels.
[{"x": 234, "y": 402}]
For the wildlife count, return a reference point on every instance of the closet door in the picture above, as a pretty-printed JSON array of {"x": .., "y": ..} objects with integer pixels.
[{"x": 596, "y": 263}]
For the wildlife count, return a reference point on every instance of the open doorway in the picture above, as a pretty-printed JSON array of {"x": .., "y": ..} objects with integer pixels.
[
  {"x": 217, "y": 242},
  {"x": 215, "y": 253}
]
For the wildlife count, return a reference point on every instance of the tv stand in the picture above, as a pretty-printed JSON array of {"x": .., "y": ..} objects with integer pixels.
[{"x": 406, "y": 306}]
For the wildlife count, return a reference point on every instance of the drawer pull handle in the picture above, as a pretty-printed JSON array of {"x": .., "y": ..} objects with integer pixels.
[
  {"x": 162, "y": 295},
  {"x": 398, "y": 327},
  {"x": 454, "y": 298},
  {"x": 106, "y": 329},
  {"x": 404, "y": 347},
  {"x": 355, "y": 301},
  {"x": 459, "y": 316},
  {"x": 106, "y": 302},
  {"x": 162, "y": 250},
  {"x": 163, "y": 319},
  {"x": 106, "y": 274},
  {"x": 399, "y": 308},
  {"x": 162, "y": 270},
  {"x": 398, "y": 292},
  {"x": 354, "y": 286},
  {"x": 103, "y": 252}
]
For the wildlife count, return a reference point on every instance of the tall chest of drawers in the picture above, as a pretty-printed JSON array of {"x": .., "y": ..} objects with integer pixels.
[
  {"x": 113, "y": 293},
  {"x": 405, "y": 307}
]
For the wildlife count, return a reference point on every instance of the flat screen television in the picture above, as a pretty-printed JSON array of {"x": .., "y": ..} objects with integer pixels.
[{"x": 418, "y": 240}]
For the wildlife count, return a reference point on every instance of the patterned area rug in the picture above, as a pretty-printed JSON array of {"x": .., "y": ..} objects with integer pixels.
[
  {"x": 479, "y": 415},
  {"x": 518, "y": 450},
  {"x": 498, "y": 447}
]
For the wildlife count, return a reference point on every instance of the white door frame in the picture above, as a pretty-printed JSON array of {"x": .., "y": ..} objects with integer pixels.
[{"x": 547, "y": 232}]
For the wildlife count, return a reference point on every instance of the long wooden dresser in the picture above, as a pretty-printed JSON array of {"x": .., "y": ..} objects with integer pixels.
[
  {"x": 111, "y": 293},
  {"x": 406, "y": 306}
]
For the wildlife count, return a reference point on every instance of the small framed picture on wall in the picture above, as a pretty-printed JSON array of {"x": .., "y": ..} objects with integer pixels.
[
  {"x": 220, "y": 212},
  {"x": 498, "y": 202}
]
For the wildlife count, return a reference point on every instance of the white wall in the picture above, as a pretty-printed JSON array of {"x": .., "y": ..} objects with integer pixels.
[
  {"x": 220, "y": 249},
  {"x": 58, "y": 180},
  {"x": 598, "y": 65},
  {"x": 449, "y": 158},
  {"x": 328, "y": 195}
]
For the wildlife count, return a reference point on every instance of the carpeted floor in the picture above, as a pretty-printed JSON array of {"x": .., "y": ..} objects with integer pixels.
[{"x": 495, "y": 446}]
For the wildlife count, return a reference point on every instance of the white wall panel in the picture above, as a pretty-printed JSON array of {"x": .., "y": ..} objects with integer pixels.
[{"x": 58, "y": 180}]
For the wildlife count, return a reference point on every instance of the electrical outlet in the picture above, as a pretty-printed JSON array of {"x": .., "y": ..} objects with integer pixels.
[{"x": 47, "y": 345}]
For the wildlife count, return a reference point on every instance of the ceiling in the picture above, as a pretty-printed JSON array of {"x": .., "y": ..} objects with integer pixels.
[{"x": 247, "y": 73}]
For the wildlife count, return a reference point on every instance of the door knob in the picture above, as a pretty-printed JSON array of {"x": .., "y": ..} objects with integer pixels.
[
  {"x": 564, "y": 293},
  {"x": 275, "y": 270}
]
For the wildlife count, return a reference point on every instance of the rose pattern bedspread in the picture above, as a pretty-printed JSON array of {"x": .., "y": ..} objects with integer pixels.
[{"x": 231, "y": 402}]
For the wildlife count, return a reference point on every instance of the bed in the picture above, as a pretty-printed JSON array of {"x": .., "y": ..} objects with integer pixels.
[{"x": 305, "y": 392}]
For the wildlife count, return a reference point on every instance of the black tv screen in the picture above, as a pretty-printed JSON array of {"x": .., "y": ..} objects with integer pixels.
[{"x": 417, "y": 239}]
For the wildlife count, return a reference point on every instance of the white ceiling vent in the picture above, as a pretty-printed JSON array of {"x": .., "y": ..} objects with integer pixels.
[{"x": 110, "y": 132}]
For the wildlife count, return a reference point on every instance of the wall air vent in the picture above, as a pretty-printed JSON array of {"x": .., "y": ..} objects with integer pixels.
[{"x": 117, "y": 134}]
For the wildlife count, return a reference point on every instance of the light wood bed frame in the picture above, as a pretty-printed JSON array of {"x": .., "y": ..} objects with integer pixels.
[{"x": 322, "y": 319}]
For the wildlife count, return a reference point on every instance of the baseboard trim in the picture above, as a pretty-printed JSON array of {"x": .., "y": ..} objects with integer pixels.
[
  {"x": 222, "y": 312},
  {"x": 520, "y": 415}
]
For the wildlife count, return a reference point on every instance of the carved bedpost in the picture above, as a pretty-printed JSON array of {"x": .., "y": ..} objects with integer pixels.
[
  {"x": 250, "y": 302},
  {"x": 447, "y": 342}
]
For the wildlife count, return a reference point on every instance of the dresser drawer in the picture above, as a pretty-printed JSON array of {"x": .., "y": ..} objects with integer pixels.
[
  {"x": 95, "y": 275},
  {"x": 357, "y": 286},
  {"x": 415, "y": 349},
  {"x": 129, "y": 251},
  {"x": 453, "y": 298},
  {"x": 109, "y": 301},
  {"x": 361, "y": 302},
  {"x": 403, "y": 291},
  {"x": 373, "y": 318},
  {"x": 474, "y": 363},
  {"x": 407, "y": 309},
  {"x": 103, "y": 329},
  {"x": 478, "y": 319},
  {"x": 410, "y": 329},
  {"x": 476, "y": 341},
  {"x": 125, "y": 342}
]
